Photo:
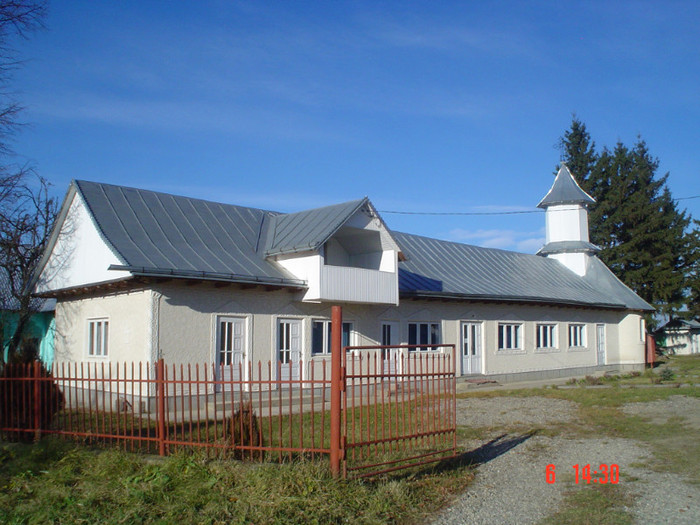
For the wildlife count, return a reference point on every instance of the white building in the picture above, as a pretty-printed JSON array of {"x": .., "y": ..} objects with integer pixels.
[{"x": 139, "y": 274}]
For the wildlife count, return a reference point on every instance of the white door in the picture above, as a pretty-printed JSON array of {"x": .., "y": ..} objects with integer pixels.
[
  {"x": 600, "y": 343},
  {"x": 390, "y": 356},
  {"x": 230, "y": 350},
  {"x": 471, "y": 348},
  {"x": 289, "y": 348}
]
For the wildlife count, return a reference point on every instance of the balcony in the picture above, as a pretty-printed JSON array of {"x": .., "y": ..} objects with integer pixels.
[{"x": 356, "y": 285}]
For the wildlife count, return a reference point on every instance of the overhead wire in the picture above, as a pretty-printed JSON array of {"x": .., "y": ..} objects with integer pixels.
[{"x": 521, "y": 212}]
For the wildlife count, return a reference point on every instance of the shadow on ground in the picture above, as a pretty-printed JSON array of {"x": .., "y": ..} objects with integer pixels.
[
  {"x": 494, "y": 448},
  {"x": 473, "y": 458}
]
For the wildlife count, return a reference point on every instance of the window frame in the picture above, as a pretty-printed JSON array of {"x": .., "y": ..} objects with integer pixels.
[
  {"x": 91, "y": 337},
  {"x": 502, "y": 337},
  {"x": 551, "y": 331},
  {"x": 348, "y": 330},
  {"x": 433, "y": 335},
  {"x": 578, "y": 336}
]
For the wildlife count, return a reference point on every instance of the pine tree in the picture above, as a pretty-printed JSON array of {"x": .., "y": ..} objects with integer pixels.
[
  {"x": 578, "y": 151},
  {"x": 693, "y": 303},
  {"x": 645, "y": 238}
]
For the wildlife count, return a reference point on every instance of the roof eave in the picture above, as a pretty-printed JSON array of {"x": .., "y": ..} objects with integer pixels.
[
  {"x": 211, "y": 276},
  {"x": 507, "y": 298}
]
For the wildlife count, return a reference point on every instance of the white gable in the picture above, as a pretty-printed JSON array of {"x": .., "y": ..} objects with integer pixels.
[
  {"x": 79, "y": 255},
  {"x": 357, "y": 264}
]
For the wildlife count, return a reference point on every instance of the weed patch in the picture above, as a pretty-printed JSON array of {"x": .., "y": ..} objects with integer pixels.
[{"x": 594, "y": 505}]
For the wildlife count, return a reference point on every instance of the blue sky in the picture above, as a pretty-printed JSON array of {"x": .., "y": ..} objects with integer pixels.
[{"x": 422, "y": 106}]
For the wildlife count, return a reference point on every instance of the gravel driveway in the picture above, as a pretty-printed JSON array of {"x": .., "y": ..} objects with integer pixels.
[{"x": 510, "y": 484}]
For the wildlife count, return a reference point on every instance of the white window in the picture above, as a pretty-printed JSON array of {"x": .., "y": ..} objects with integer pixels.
[
  {"x": 509, "y": 336},
  {"x": 424, "y": 334},
  {"x": 577, "y": 335},
  {"x": 98, "y": 334},
  {"x": 321, "y": 336},
  {"x": 546, "y": 336},
  {"x": 231, "y": 341},
  {"x": 642, "y": 330}
]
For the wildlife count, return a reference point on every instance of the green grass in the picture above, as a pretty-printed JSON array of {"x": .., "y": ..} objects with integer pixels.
[
  {"x": 54, "y": 482},
  {"x": 594, "y": 505}
]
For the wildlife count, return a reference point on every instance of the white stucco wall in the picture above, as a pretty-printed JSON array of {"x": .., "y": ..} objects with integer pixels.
[
  {"x": 631, "y": 342},
  {"x": 179, "y": 322},
  {"x": 80, "y": 255},
  {"x": 188, "y": 316},
  {"x": 129, "y": 335}
]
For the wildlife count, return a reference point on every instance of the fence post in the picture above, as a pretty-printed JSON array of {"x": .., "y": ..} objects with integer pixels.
[
  {"x": 160, "y": 396},
  {"x": 336, "y": 387},
  {"x": 36, "y": 374}
]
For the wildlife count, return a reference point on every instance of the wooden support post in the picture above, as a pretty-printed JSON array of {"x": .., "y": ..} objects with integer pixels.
[{"x": 336, "y": 387}]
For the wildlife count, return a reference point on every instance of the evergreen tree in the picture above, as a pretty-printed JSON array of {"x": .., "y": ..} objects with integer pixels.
[
  {"x": 645, "y": 238},
  {"x": 578, "y": 151},
  {"x": 694, "y": 274}
]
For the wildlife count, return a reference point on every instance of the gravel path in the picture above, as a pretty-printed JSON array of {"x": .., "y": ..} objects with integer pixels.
[{"x": 510, "y": 485}]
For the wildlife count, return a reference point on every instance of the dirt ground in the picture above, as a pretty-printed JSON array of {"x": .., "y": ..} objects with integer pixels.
[{"x": 510, "y": 485}]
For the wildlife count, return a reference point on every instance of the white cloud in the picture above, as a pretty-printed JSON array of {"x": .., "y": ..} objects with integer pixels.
[{"x": 527, "y": 242}]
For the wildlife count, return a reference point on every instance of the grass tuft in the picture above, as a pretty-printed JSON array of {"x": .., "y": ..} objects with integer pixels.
[{"x": 594, "y": 505}]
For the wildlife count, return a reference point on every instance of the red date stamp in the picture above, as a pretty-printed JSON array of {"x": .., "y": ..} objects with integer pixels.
[{"x": 582, "y": 473}]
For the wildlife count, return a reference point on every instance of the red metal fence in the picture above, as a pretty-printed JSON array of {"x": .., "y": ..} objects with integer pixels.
[
  {"x": 379, "y": 408},
  {"x": 399, "y": 407},
  {"x": 246, "y": 412}
]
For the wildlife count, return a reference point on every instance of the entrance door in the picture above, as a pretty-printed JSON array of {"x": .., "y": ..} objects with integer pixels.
[
  {"x": 390, "y": 356},
  {"x": 471, "y": 348},
  {"x": 600, "y": 343},
  {"x": 289, "y": 348},
  {"x": 230, "y": 359}
]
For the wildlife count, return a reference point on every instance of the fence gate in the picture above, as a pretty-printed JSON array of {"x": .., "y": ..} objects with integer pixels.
[{"x": 396, "y": 416}]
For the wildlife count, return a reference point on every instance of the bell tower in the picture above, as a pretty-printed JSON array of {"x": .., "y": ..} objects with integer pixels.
[{"x": 566, "y": 223}]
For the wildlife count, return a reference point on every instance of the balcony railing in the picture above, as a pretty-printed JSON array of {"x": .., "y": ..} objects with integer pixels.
[{"x": 358, "y": 285}]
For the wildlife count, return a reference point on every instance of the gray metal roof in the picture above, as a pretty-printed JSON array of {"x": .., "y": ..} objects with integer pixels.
[
  {"x": 309, "y": 229},
  {"x": 568, "y": 247},
  {"x": 601, "y": 278},
  {"x": 436, "y": 268},
  {"x": 679, "y": 324},
  {"x": 160, "y": 234},
  {"x": 565, "y": 190}
]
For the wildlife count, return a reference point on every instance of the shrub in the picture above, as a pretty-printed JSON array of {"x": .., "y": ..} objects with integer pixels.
[
  {"x": 593, "y": 380},
  {"x": 666, "y": 374},
  {"x": 18, "y": 399},
  {"x": 244, "y": 430}
]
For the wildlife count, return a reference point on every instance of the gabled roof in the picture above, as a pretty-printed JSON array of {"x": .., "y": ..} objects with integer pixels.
[
  {"x": 160, "y": 234},
  {"x": 565, "y": 190},
  {"x": 680, "y": 324},
  {"x": 309, "y": 229},
  {"x": 157, "y": 234},
  {"x": 436, "y": 268}
]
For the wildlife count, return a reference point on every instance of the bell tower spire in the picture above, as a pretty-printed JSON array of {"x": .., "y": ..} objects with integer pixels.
[{"x": 566, "y": 218}]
